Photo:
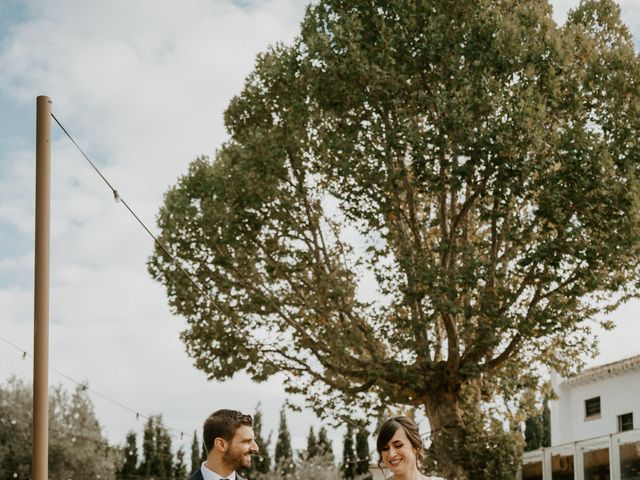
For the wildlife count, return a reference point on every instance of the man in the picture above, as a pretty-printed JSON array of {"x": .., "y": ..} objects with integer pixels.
[{"x": 228, "y": 438}]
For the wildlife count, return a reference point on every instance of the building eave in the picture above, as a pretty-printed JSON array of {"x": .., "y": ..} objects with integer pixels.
[{"x": 607, "y": 370}]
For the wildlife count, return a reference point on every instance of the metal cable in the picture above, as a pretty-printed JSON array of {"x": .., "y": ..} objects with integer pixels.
[{"x": 118, "y": 198}]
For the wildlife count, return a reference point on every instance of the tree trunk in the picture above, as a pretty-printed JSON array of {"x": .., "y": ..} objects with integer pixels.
[{"x": 448, "y": 434}]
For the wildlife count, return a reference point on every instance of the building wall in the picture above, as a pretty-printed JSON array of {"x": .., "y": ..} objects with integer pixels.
[{"x": 619, "y": 394}]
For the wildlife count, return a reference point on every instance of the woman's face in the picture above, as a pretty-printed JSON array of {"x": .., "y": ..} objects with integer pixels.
[{"x": 399, "y": 455}]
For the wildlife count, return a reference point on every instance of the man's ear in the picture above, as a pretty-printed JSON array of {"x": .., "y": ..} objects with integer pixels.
[{"x": 220, "y": 443}]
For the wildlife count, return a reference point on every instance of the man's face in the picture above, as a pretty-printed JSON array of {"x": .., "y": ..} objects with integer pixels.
[{"x": 242, "y": 446}]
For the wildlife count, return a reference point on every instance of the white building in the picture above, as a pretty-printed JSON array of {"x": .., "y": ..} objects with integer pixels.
[
  {"x": 599, "y": 401},
  {"x": 594, "y": 427}
]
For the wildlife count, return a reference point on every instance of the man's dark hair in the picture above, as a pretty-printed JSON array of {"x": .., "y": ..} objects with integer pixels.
[{"x": 223, "y": 424}]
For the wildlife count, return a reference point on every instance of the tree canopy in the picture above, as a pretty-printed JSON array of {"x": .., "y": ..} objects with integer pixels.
[{"x": 420, "y": 203}]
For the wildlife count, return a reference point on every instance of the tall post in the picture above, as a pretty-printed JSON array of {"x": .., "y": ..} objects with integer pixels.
[{"x": 41, "y": 292}]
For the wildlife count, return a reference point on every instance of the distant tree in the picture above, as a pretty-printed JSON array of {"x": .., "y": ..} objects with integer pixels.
[
  {"x": 362, "y": 454},
  {"x": 484, "y": 156},
  {"x": 130, "y": 454},
  {"x": 284, "y": 453},
  {"x": 532, "y": 433},
  {"x": 149, "y": 453},
  {"x": 165, "y": 461},
  {"x": 546, "y": 423},
  {"x": 203, "y": 452},
  {"x": 77, "y": 447},
  {"x": 537, "y": 429},
  {"x": 180, "y": 467},
  {"x": 325, "y": 448},
  {"x": 348, "y": 454},
  {"x": 195, "y": 453},
  {"x": 312, "y": 444},
  {"x": 263, "y": 465},
  {"x": 157, "y": 458}
]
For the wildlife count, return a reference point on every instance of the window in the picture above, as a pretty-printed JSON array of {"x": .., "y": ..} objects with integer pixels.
[
  {"x": 562, "y": 467},
  {"x": 625, "y": 422},
  {"x": 596, "y": 464},
  {"x": 629, "y": 460},
  {"x": 592, "y": 407}
]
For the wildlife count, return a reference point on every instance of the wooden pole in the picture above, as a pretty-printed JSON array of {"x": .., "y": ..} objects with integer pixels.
[{"x": 41, "y": 292}]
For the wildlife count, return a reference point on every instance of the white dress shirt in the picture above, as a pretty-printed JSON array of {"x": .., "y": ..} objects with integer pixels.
[{"x": 211, "y": 475}]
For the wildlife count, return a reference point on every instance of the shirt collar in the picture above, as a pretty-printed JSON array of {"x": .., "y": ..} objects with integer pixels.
[{"x": 211, "y": 475}]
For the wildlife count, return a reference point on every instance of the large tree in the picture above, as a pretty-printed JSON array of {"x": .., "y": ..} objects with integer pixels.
[{"x": 420, "y": 203}]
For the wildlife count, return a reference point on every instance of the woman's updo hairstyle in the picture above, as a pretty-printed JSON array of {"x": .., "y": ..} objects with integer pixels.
[{"x": 389, "y": 429}]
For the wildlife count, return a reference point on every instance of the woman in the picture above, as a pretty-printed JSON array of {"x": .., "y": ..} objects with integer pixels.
[{"x": 400, "y": 448}]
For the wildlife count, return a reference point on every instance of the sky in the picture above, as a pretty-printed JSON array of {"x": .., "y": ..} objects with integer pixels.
[{"x": 142, "y": 86}]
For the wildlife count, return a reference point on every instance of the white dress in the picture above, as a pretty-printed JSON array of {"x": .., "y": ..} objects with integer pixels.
[{"x": 427, "y": 478}]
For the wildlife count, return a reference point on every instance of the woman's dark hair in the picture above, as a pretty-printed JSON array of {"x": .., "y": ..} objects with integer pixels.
[
  {"x": 389, "y": 429},
  {"x": 223, "y": 424}
]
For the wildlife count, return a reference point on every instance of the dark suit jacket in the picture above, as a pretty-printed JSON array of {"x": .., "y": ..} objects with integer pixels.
[{"x": 197, "y": 475}]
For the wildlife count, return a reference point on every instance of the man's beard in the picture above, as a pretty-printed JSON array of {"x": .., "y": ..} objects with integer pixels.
[{"x": 236, "y": 458}]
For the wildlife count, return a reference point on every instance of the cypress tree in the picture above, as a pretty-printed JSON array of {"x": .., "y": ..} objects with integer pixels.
[
  {"x": 130, "y": 465},
  {"x": 348, "y": 455},
  {"x": 324, "y": 444},
  {"x": 532, "y": 433},
  {"x": 284, "y": 453},
  {"x": 312, "y": 444},
  {"x": 546, "y": 423},
  {"x": 203, "y": 453},
  {"x": 163, "y": 449},
  {"x": 179, "y": 467},
  {"x": 362, "y": 453},
  {"x": 195, "y": 453},
  {"x": 149, "y": 454},
  {"x": 157, "y": 458},
  {"x": 259, "y": 466}
]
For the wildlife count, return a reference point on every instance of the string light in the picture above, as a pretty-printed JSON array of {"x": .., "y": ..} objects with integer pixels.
[
  {"x": 85, "y": 388},
  {"x": 77, "y": 434},
  {"x": 118, "y": 198}
]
